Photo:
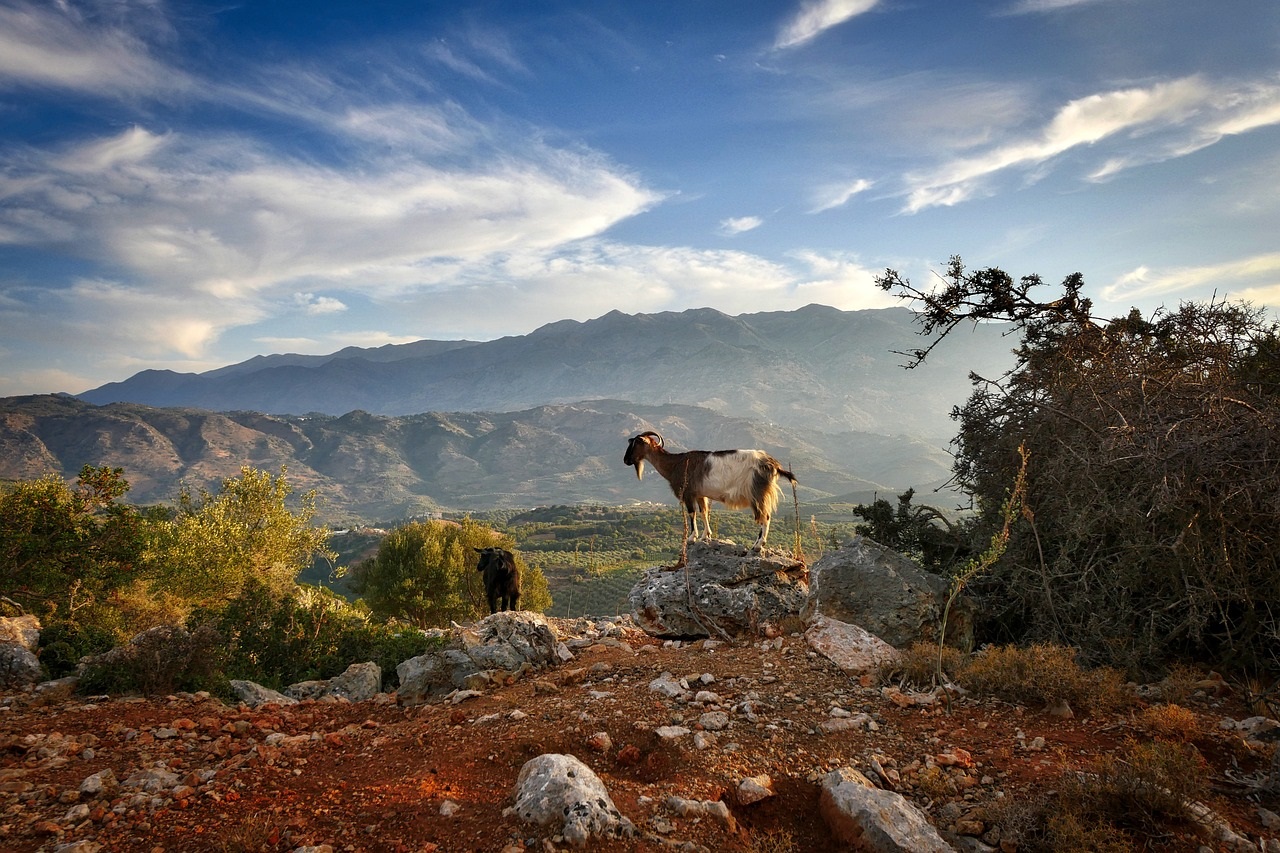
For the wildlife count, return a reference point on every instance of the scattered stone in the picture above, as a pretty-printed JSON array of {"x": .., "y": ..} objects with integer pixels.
[
  {"x": 703, "y": 808},
  {"x": 754, "y": 789},
  {"x": 670, "y": 733},
  {"x": 714, "y": 721},
  {"x": 100, "y": 785},
  {"x": 600, "y": 742},
  {"x": 358, "y": 683}
]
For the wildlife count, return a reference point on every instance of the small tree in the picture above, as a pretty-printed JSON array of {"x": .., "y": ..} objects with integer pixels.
[
  {"x": 425, "y": 573},
  {"x": 1153, "y": 522},
  {"x": 63, "y": 549},
  {"x": 217, "y": 543}
]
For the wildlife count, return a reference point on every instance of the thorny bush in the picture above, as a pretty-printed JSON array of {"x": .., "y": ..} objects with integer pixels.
[{"x": 1152, "y": 523}]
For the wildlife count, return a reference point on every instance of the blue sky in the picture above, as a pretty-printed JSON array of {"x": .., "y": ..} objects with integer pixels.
[{"x": 185, "y": 184}]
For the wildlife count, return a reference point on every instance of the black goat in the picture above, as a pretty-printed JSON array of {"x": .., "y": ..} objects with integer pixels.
[
  {"x": 501, "y": 578},
  {"x": 736, "y": 478}
]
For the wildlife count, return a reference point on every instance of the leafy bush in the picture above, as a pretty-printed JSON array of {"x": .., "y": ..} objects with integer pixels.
[
  {"x": 1169, "y": 723},
  {"x": 1151, "y": 784},
  {"x": 64, "y": 643},
  {"x": 309, "y": 634},
  {"x": 425, "y": 574},
  {"x": 918, "y": 665}
]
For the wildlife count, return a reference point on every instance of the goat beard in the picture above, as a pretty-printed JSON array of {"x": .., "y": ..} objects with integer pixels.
[{"x": 640, "y": 470}]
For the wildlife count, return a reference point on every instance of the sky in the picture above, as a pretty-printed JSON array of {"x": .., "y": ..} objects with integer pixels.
[{"x": 187, "y": 184}]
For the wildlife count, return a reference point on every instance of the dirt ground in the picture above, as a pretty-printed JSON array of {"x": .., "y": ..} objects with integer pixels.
[{"x": 373, "y": 776}]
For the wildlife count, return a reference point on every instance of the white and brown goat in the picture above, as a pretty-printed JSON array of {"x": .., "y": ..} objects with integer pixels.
[{"x": 735, "y": 478}]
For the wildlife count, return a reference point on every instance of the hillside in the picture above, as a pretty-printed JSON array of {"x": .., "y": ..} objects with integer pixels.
[
  {"x": 816, "y": 368},
  {"x": 197, "y": 774},
  {"x": 373, "y": 467}
]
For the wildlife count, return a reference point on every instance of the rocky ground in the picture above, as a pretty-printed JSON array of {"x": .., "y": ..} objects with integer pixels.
[{"x": 192, "y": 773}]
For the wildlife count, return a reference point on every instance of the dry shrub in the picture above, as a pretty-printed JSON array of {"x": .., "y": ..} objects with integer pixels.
[
  {"x": 773, "y": 841},
  {"x": 1138, "y": 795},
  {"x": 1151, "y": 785},
  {"x": 1043, "y": 674},
  {"x": 917, "y": 666},
  {"x": 1172, "y": 723},
  {"x": 1180, "y": 685},
  {"x": 1067, "y": 831}
]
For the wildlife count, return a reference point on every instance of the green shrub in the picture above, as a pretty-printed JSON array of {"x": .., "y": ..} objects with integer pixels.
[
  {"x": 63, "y": 644},
  {"x": 161, "y": 660},
  {"x": 309, "y": 634}
]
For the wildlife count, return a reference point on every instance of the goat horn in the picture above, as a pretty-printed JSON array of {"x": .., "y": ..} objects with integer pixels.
[{"x": 661, "y": 442}]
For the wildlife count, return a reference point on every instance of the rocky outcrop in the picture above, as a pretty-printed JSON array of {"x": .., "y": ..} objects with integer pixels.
[
  {"x": 253, "y": 694},
  {"x": 724, "y": 591},
  {"x": 865, "y": 584},
  {"x": 498, "y": 647}
]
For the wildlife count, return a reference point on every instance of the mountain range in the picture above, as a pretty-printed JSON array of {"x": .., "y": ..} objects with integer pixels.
[
  {"x": 815, "y": 368},
  {"x": 540, "y": 419}
]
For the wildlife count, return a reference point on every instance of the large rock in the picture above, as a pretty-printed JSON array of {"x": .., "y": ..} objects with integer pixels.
[
  {"x": 849, "y": 647},
  {"x": 507, "y": 642},
  {"x": 19, "y": 667},
  {"x": 254, "y": 694},
  {"x": 560, "y": 789},
  {"x": 863, "y": 583},
  {"x": 358, "y": 682},
  {"x": 876, "y": 821},
  {"x": 22, "y": 630},
  {"x": 723, "y": 590}
]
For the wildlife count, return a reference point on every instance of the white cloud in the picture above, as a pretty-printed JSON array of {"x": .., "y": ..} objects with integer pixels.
[
  {"x": 53, "y": 45},
  {"x": 315, "y": 306},
  {"x": 1023, "y": 7},
  {"x": 1166, "y": 120},
  {"x": 229, "y": 218},
  {"x": 831, "y": 197},
  {"x": 739, "y": 225},
  {"x": 1255, "y": 278},
  {"x": 816, "y": 17}
]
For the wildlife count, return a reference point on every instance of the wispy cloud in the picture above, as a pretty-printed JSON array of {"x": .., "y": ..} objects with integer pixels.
[
  {"x": 816, "y": 17},
  {"x": 1025, "y": 7},
  {"x": 1165, "y": 120},
  {"x": 53, "y": 45},
  {"x": 739, "y": 224},
  {"x": 1245, "y": 278},
  {"x": 831, "y": 197}
]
